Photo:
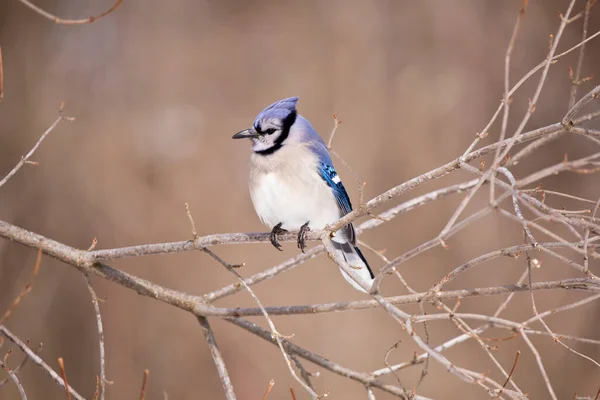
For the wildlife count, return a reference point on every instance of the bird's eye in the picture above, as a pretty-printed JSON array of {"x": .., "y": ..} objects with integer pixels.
[{"x": 269, "y": 131}]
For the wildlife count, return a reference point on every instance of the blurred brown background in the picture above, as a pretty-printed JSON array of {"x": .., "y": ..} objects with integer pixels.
[{"x": 158, "y": 88}]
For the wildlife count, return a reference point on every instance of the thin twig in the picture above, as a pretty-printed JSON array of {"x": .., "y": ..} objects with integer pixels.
[
  {"x": 37, "y": 360},
  {"x": 506, "y": 99},
  {"x": 28, "y": 155},
  {"x": 579, "y": 284},
  {"x": 514, "y": 89},
  {"x": 586, "y": 239},
  {"x": 509, "y": 375},
  {"x": 26, "y": 289},
  {"x": 492, "y": 320},
  {"x": 513, "y": 184},
  {"x": 217, "y": 358},
  {"x": 1, "y": 77},
  {"x": 403, "y": 318},
  {"x": 21, "y": 365},
  {"x": 465, "y": 328},
  {"x": 97, "y": 391},
  {"x": 425, "y": 369},
  {"x": 58, "y": 20},
  {"x": 562, "y": 336},
  {"x": 535, "y": 311},
  {"x": 361, "y": 185},
  {"x": 144, "y": 384},
  {"x": 538, "y": 359},
  {"x": 567, "y": 120},
  {"x": 565, "y": 195},
  {"x": 14, "y": 378},
  {"x": 514, "y": 139},
  {"x": 275, "y": 334},
  {"x": 430, "y": 244},
  {"x": 362, "y": 377},
  {"x": 336, "y": 123},
  {"x": 576, "y": 79},
  {"x": 387, "y": 364},
  {"x": 370, "y": 393},
  {"x": 192, "y": 223},
  {"x": 303, "y": 371},
  {"x": 457, "y": 340},
  {"x": 96, "y": 304},
  {"x": 540, "y": 208},
  {"x": 208, "y": 332},
  {"x": 267, "y": 274},
  {"x": 63, "y": 372},
  {"x": 271, "y": 384}
]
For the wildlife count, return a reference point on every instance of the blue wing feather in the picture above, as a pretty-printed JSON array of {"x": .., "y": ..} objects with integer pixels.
[
  {"x": 329, "y": 175},
  {"x": 332, "y": 179}
]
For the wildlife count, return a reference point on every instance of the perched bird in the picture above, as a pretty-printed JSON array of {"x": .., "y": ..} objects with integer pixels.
[{"x": 293, "y": 184}]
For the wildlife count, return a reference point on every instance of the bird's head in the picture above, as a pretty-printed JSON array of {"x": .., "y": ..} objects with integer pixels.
[{"x": 271, "y": 127}]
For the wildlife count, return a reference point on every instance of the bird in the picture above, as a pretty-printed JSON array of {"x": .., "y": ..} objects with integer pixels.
[{"x": 294, "y": 185}]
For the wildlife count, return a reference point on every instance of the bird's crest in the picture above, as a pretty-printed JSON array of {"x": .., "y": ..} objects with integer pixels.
[{"x": 279, "y": 110}]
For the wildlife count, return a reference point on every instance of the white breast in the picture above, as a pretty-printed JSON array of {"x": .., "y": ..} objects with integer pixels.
[{"x": 286, "y": 187}]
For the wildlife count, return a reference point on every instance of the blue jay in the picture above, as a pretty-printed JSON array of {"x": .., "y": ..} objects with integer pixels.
[{"x": 293, "y": 184}]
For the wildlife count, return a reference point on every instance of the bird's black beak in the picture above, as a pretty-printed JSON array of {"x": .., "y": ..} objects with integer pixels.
[{"x": 246, "y": 134}]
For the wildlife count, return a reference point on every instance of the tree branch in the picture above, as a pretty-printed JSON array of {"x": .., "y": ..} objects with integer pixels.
[
  {"x": 217, "y": 358},
  {"x": 38, "y": 361},
  {"x": 58, "y": 20}
]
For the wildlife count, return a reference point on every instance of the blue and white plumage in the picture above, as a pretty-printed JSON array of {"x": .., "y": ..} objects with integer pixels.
[{"x": 293, "y": 184}]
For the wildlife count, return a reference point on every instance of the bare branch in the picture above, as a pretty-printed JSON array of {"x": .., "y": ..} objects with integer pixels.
[
  {"x": 513, "y": 184},
  {"x": 538, "y": 358},
  {"x": 271, "y": 384},
  {"x": 37, "y": 360},
  {"x": 274, "y": 332},
  {"x": 580, "y": 284},
  {"x": 217, "y": 358},
  {"x": 58, "y": 20},
  {"x": 316, "y": 359},
  {"x": 513, "y": 140},
  {"x": 63, "y": 372},
  {"x": 14, "y": 378},
  {"x": 506, "y": 99},
  {"x": 26, "y": 289},
  {"x": 593, "y": 94},
  {"x": 576, "y": 79},
  {"x": 1, "y": 77},
  {"x": 266, "y": 274},
  {"x": 144, "y": 384},
  {"x": 95, "y": 302},
  {"x": 26, "y": 158},
  {"x": 21, "y": 365},
  {"x": 336, "y": 123},
  {"x": 586, "y": 240}
]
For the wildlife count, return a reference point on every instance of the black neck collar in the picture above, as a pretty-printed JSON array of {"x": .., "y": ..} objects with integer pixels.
[{"x": 285, "y": 131}]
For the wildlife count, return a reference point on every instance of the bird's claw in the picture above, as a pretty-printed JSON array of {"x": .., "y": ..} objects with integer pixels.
[
  {"x": 302, "y": 236},
  {"x": 277, "y": 229}
]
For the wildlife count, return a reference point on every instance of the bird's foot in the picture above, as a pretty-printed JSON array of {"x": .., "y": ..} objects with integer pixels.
[
  {"x": 302, "y": 236},
  {"x": 277, "y": 229}
]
